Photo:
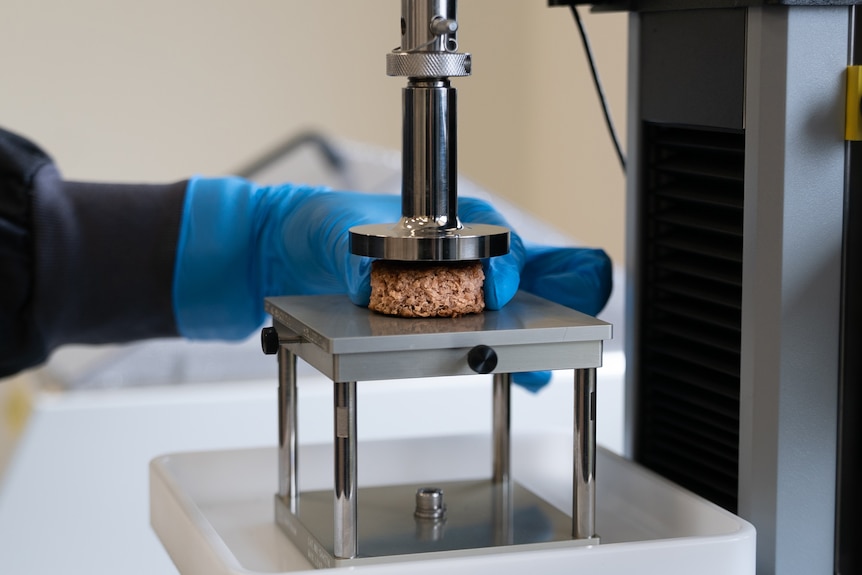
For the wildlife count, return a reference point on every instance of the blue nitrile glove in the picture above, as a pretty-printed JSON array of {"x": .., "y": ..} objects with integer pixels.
[
  {"x": 579, "y": 278},
  {"x": 240, "y": 242}
]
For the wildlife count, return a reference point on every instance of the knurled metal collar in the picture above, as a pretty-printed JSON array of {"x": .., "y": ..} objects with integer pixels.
[{"x": 428, "y": 64}]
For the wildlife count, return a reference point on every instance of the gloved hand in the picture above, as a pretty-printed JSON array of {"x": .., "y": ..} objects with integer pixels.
[
  {"x": 240, "y": 243},
  {"x": 579, "y": 278}
]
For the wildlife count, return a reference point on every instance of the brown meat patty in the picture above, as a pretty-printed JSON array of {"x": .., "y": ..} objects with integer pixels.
[{"x": 420, "y": 289}]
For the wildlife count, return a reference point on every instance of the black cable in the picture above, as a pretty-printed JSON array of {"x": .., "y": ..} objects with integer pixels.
[
  {"x": 598, "y": 85},
  {"x": 332, "y": 157}
]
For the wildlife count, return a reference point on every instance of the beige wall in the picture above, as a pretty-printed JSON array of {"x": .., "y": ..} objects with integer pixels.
[{"x": 161, "y": 89}]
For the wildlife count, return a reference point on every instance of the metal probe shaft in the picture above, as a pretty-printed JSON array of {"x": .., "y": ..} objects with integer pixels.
[{"x": 429, "y": 228}]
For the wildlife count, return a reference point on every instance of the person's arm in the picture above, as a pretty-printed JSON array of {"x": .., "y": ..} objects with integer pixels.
[
  {"x": 109, "y": 263},
  {"x": 80, "y": 262},
  {"x": 240, "y": 242}
]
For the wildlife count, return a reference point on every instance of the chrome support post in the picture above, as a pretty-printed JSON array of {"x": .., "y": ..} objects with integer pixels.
[
  {"x": 288, "y": 488},
  {"x": 584, "y": 482},
  {"x": 502, "y": 488},
  {"x": 346, "y": 536},
  {"x": 501, "y": 422}
]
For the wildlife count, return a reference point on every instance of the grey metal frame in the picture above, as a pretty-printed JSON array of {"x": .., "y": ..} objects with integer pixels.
[
  {"x": 794, "y": 194},
  {"x": 794, "y": 211}
]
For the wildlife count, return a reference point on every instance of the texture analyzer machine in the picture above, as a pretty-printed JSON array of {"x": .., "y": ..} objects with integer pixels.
[
  {"x": 487, "y": 501},
  {"x": 349, "y": 344}
]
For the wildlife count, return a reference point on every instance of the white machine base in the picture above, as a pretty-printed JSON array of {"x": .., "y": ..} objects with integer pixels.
[{"x": 214, "y": 512}]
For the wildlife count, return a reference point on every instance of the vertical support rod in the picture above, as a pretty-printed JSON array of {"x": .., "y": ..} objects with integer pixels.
[
  {"x": 502, "y": 488},
  {"x": 501, "y": 423},
  {"x": 584, "y": 484},
  {"x": 288, "y": 487},
  {"x": 346, "y": 536}
]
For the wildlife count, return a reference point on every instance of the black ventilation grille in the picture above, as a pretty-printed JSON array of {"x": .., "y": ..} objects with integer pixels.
[{"x": 690, "y": 309}]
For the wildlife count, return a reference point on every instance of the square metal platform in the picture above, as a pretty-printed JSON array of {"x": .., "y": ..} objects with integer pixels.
[
  {"x": 481, "y": 517},
  {"x": 346, "y": 342}
]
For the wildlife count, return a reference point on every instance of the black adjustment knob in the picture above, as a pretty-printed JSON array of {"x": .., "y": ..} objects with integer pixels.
[
  {"x": 482, "y": 359},
  {"x": 269, "y": 340}
]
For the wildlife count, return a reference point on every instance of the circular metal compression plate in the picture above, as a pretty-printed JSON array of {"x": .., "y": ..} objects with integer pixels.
[{"x": 390, "y": 242}]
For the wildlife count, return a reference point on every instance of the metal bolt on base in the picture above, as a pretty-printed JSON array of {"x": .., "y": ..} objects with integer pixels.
[{"x": 429, "y": 503}]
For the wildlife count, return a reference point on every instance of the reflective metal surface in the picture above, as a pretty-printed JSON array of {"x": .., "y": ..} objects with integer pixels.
[
  {"x": 416, "y": 64},
  {"x": 501, "y": 422},
  {"x": 501, "y": 475},
  {"x": 429, "y": 228},
  {"x": 401, "y": 241},
  {"x": 421, "y": 29},
  {"x": 429, "y": 193},
  {"x": 584, "y": 485},
  {"x": 346, "y": 534},
  {"x": 429, "y": 503},
  {"x": 349, "y": 343},
  {"x": 334, "y": 325},
  {"x": 288, "y": 472},
  {"x": 389, "y": 530}
]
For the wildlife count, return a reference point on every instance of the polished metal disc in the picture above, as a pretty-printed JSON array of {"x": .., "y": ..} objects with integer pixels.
[{"x": 394, "y": 242}]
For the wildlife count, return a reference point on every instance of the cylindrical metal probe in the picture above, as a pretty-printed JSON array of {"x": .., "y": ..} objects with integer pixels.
[
  {"x": 429, "y": 192},
  {"x": 429, "y": 228}
]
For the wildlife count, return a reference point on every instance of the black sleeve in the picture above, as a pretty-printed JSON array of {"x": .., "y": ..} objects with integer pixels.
[{"x": 80, "y": 262}]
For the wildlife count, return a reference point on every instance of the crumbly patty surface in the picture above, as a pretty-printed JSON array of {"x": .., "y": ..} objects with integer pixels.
[{"x": 427, "y": 290}]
